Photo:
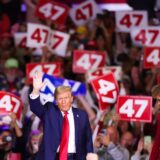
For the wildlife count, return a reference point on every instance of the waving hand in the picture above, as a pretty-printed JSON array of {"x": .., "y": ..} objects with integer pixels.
[{"x": 37, "y": 83}]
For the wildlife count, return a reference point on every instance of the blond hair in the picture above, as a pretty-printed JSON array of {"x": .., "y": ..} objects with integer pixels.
[
  {"x": 155, "y": 91},
  {"x": 61, "y": 89}
]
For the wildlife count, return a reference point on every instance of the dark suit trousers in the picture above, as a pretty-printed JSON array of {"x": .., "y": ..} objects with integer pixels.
[{"x": 71, "y": 156}]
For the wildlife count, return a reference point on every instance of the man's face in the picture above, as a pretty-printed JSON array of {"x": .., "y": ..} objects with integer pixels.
[
  {"x": 112, "y": 132},
  {"x": 64, "y": 100},
  {"x": 35, "y": 140},
  {"x": 11, "y": 74},
  {"x": 127, "y": 139}
]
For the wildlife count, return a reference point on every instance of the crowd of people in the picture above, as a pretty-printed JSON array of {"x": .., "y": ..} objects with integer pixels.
[{"x": 117, "y": 139}]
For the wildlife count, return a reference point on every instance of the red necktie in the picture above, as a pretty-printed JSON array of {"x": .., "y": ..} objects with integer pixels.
[{"x": 63, "y": 150}]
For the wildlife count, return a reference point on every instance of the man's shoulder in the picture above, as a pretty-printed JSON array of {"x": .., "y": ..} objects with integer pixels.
[
  {"x": 79, "y": 110},
  {"x": 51, "y": 106}
]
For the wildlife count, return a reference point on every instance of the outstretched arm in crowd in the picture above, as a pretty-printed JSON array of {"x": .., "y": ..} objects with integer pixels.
[
  {"x": 30, "y": 4},
  {"x": 14, "y": 126}
]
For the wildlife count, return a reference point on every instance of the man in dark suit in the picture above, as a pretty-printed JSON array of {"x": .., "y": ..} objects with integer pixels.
[
  {"x": 155, "y": 152},
  {"x": 79, "y": 141}
]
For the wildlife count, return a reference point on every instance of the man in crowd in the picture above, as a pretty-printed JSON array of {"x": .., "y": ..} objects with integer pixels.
[
  {"x": 155, "y": 153},
  {"x": 108, "y": 147},
  {"x": 67, "y": 133}
]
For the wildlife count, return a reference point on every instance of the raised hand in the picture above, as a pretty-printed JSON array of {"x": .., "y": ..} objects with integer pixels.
[
  {"x": 140, "y": 145},
  {"x": 92, "y": 156},
  {"x": 37, "y": 83}
]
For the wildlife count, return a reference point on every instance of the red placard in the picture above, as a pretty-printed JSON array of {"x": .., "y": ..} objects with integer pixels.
[
  {"x": 10, "y": 103},
  {"x": 135, "y": 108},
  {"x": 84, "y": 12},
  {"x": 106, "y": 89},
  {"x": 151, "y": 57},
  {"x": 84, "y": 60},
  {"x": 53, "y": 68},
  {"x": 14, "y": 156},
  {"x": 126, "y": 20},
  {"x": 54, "y": 11}
]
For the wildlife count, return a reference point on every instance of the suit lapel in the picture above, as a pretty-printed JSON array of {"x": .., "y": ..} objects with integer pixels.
[
  {"x": 77, "y": 125},
  {"x": 60, "y": 120}
]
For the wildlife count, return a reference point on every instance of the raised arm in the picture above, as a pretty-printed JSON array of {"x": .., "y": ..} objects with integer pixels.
[
  {"x": 34, "y": 98},
  {"x": 37, "y": 83},
  {"x": 30, "y": 4}
]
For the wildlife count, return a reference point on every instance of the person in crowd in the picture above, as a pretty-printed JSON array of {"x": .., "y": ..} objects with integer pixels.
[
  {"x": 107, "y": 146},
  {"x": 7, "y": 47},
  {"x": 31, "y": 9},
  {"x": 126, "y": 141},
  {"x": 4, "y": 23},
  {"x": 67, "y": 132},
  {"x": 143, "y": 151},
  {"x": 33, "y": 144},
  {"x": 10, "y": 80},
  {"x": 155, "y": 154},
  {"x": 11, "y": 139},
  {"x": 12, "y": 8},
  {"x": 123, "y": 127},
  {"x": 82, "y": 36}
]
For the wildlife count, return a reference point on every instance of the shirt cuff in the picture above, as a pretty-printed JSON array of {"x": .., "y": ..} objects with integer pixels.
[{"x": 32, "y": 96}]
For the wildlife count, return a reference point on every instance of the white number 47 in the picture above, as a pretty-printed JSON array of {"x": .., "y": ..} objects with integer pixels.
[
  {"x": 127, "y": 108},
  {"x": 6, "y": 103}
]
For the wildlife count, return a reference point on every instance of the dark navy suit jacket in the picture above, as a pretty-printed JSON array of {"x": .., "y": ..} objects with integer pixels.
[
  {"x": 52, "y": 120},
  {"x": 155, "y": 153}
]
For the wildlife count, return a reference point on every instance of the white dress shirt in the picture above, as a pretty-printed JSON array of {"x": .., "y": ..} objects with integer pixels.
[{"x": 71, "y": 143}]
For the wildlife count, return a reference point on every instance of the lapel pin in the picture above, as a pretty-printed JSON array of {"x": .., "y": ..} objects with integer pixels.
[{"x": 77, "y": 115}]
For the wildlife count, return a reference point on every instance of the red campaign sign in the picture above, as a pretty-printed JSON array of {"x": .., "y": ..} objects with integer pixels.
[
  {"x": 84, "y": 60},
  {"x": 14, "y": 156},
  {"x": 84, "y": 12},
  {"x": 10, "y": 103},
  {"x": 135, "y": 108},
  {"x": 151, "y": 57},
  {"x": 106, "y": 89},
  {"x": 53, "y": 68},
  {"x": 54, "y": 11}
]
